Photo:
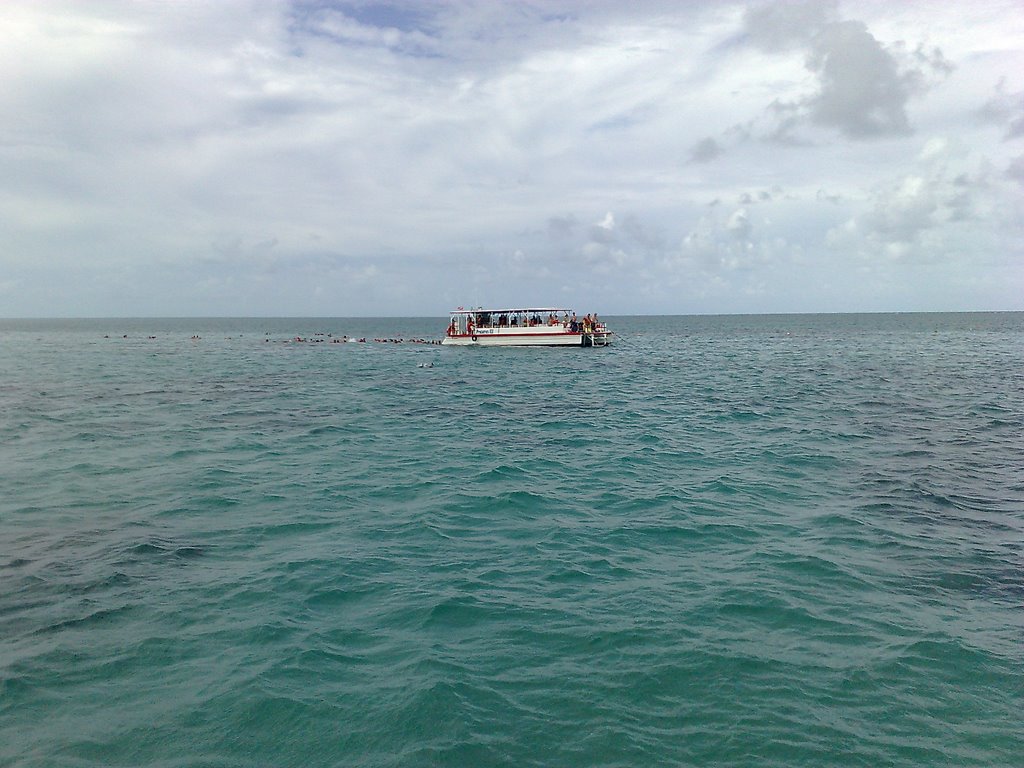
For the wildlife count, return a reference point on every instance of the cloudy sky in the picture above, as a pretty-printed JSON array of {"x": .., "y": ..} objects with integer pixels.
[{"x": 313, "y": 157}]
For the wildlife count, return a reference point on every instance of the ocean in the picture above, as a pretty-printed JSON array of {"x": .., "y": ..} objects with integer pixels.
[{"x": 789, "y": 540}]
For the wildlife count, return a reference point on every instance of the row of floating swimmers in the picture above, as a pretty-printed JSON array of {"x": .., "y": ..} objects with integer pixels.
[
  {"x": 321, "y": 338},
  {"x": 363, "y": 340}
]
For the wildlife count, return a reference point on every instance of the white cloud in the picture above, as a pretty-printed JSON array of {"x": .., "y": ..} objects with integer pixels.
[
  {"x": 786, "y": 24},
  {"x": 739, "y": 224},
  {"x": 705, "y": 150},
  {"x": 1005, "y": 109},
  {"x": 337, "y": 158},
  {"x": 862, "y": 92},
  {"x": 947, "y": 210},
  {"x": 861, "y": 86}
]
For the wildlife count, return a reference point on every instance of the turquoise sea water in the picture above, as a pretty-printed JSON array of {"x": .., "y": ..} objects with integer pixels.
[{"x": 780, "y": 540}]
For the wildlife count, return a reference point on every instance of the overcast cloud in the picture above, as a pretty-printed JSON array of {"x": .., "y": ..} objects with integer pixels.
[{"x": 356, "y": 158}]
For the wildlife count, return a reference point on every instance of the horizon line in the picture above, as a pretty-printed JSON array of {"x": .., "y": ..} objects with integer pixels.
[{"x": 418, "y": 317}]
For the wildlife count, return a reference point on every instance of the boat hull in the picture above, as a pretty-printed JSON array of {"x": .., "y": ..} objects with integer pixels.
[{"x": 528, "y": 337}]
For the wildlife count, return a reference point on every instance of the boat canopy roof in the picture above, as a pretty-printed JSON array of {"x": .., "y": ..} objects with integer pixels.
[{"x": 520, "y": 310}]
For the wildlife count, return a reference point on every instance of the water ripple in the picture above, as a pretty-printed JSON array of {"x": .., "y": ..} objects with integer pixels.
[{"x": 724, "y": 541}]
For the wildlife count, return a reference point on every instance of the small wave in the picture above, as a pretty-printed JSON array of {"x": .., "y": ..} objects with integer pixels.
[
  {"x": 456, "y": 612},
  {"x": 328, "y": 429},
  {"x": 502, "y": 473},
  {"x": 16, "y": 562},
  {"x": 91, "y": 619},
  {"x": 296, "y": 528},
  {"x": 161, "y": 549},
  {"x": 335, "y": 597}
]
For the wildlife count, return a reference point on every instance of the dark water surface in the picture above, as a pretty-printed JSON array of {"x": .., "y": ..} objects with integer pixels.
[{"x": 781, "y": 540}]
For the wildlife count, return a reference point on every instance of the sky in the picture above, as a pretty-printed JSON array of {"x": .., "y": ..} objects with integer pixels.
[{"x": 320, "y": 158}]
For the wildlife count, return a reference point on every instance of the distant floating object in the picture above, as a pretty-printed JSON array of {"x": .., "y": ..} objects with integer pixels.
[{"x": 425, "y": 365}]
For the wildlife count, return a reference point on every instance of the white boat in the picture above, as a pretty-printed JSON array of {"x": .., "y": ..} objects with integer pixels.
[{"x": 527, "y": 327}]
